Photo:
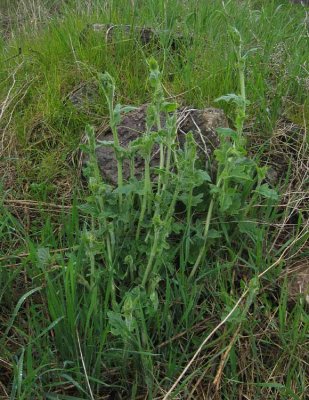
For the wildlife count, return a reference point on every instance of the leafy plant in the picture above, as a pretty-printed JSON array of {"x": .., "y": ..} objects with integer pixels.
[{"x": 133, "y": 278}]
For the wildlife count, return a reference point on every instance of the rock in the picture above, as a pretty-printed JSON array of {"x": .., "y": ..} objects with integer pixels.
[
  {"x": 202, "y": 123},
  {"x": 285, "y": 146},
  {"x": 142, "y": 34},
  {"x": 305, "y": 2},
  {"x": 85, "y": 96},
  {"x": 298, "y": 280}
]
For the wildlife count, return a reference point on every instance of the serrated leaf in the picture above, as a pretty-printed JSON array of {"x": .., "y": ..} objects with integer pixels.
[
  {"x": 169, "y": 107},
  {"x": 84, "y": 148},
  {"x": 250, "y": 51},
  {"x": 231, "y": 98},
  {"x": 106, "y": 143},
  {"x": 261, "y": 172},
  {"x": 248, "y": 228},
  {"x": 236, "y": 316},
  {"x": 43, "y": 255},
  {"x": 214, "y": 189},
  {"x": 214, "y": 234},
  {"x": 154, "y": 300},
  {"x": 225, "y": 202},
  {"x": 88, "y": 209},
  {"x": 197, "y": 199},
  {"x": 203, "y": 175},
  {"x": 267, "y": 192},
  {"x": 126, "y": 109},
  {"x": 227, "y": 132},
  {"x": 240, "y": 175},
  {"x": 177, "y": 227},
  {"x": 117, "y": 324},
  {"x": 132, "y": 187}
]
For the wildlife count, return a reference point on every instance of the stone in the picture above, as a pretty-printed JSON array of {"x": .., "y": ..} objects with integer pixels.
[
  {"x": 298, "y": 280},
  {"x": 85, "y": 96},
  {"x": 142, "y": 34},
  {"x": 305, "y": 2},
  {"x": 202, "y": 123},
  {"x": 285, "y": 146}
]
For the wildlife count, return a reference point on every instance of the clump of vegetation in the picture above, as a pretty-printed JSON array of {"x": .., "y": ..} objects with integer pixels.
[{"x": 165, "y": 286}]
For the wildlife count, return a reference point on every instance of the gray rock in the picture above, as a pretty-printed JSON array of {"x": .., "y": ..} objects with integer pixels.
[
  {"x": 305, "y": 2},
  {"x": 144, "y": 35},
  {"x": 202, "y": 123},
  {"x": 298, "y": 280},
  {"x": 85, "y": 96}
]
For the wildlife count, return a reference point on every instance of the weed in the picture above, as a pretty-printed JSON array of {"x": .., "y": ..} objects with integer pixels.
[{"x": 165, "y": 286}]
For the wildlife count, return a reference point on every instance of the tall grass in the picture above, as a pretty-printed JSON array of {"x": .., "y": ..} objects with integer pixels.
[
  {"x": 54, "y": 61},
  {"x": 166, "y": 287}
]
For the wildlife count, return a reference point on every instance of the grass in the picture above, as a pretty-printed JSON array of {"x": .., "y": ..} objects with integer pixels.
[{"x": 173, "y": 287}]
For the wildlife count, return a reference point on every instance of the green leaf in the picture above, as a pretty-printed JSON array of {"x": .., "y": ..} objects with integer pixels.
[
  {"x": 43, "y": 255},
  {"x": 225, "y": 202},
  {"x": 214, "y": 234},
  {"x": 273, "y": 385},
  {"x": 220, "y": 153},
  {"x": 250, "y": 51},
  {"x": 238, "y": 173},
  {"x": 168, "y": 107},
  {"x": 88, "y": 209},
  {"x": 133, "y": 187},
  {"x": 57, "y": 396},
  {"x": 261, "y": 172},
  {"x": 177, "y": 227},
  {"x": 232, "y": 98},
  {"x": 214, "y": 189},
  {"x": 18, "y": 305},
  {"x": 248, "y": 228},
  {"x": 106, "y": 143},
  {"x": 267, "y": 192},
  {"x": 126, "y": 109},
  {"x": 153, "y": 65},
  {"x": 236, "y": 316},
  {"x": 117, "y": 324},
  {"x": 84, "y": 148},
  {"x": 185, "y": 198},
  {"x": 200, "y": 176},
  {"x": 227, "y": 133}
]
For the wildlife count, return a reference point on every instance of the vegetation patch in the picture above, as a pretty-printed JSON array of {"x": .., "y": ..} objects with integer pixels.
[{"x": 154, "y": 200}]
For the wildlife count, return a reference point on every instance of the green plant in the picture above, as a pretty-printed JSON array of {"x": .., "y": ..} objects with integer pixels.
[{"x": 134, "y": 278}]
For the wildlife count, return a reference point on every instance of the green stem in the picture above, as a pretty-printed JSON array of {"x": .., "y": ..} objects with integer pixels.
[
  {"x": 119, "y": 179},
  {"x": 206, "y": 230},
  {"x": 168, "y": 157},
  {"x": 154, "y": 249},
  {"x": 188, "y": 225},
  {"x": 241, "y": 71},
  {"x": 242, "y": 82},
  {"x": 202, "y": 251},
  {"x": 151, "y": 258},
  {"x": 147, "y": 189},
  {"x": 111, "y": 277},
  {"x": 161, "y": 166},
  {"x": 117, "y": 146}
]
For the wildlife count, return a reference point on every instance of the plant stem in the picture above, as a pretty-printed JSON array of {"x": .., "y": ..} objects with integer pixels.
[
  {"x": 117, "y": 146},
  {"x": 202, "y": 251},
  {"x": 147, "y": 190},
  {"x": 206, "y": 230},
  {"x": 151, "y": 257},
  {"x": 188, "y": 226},
  {"x": 161, "y": 166}
]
